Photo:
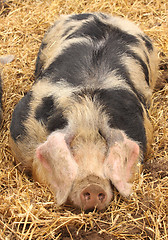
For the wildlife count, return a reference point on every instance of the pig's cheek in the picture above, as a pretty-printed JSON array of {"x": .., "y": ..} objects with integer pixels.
[
  {"x": 74, "y": 196},
  {"x": 75, "y": 199}
]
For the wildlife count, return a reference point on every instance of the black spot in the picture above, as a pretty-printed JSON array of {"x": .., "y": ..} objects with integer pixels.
[
  {"x": 45, "y": 109},
  {"x": 50, "y": 115},
  {"x": 70, "y": 64},
  {"x": 94, "y": 29},
  {"x": 20, "y": 114},
  {"x": 57, "y": 121},
  {"x": 147, "y": 41},
  {"x": 82, "y": 16},
  {"x": 125, "y": 113}
]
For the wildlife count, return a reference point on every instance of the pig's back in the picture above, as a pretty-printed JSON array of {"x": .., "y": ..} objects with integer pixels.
[
  {"x": 99, "y": 51},
  {"x": 93, "y": 73}
]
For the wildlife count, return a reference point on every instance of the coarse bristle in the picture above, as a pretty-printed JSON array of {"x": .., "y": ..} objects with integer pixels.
[{"x": 28, "y": 210}]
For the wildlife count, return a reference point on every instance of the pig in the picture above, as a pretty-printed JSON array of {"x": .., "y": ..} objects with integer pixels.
[
  {"x": 83, "y": 129},
  {"x": 3, "y": 60}
]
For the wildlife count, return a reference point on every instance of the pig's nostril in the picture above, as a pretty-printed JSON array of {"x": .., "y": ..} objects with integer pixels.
[
  {"x": 87, "y": 196},
  {"x": 93, "y": 196},
  {"x": 101, "y": 196}
]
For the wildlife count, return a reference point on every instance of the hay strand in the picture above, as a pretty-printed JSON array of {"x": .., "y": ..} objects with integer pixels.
[{"x": 27, "y": 210}]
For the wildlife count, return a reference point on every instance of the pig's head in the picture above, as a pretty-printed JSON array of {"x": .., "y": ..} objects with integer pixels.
[{"x": 84, "y": 172}]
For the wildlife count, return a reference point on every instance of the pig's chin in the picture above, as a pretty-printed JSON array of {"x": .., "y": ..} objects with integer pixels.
[{"x": 90, "y": 193}]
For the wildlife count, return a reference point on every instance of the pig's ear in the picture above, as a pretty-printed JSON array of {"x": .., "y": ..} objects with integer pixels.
[
  {"x": 121, "y": 165},
  {"x": 42, "y": 156},
  {"x": 59, "y": 165}
]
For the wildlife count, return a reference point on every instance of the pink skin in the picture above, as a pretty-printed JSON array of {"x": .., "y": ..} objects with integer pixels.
[
  {"x": 93, "y": 196},
  {"x": 61, "y": 171},
  {"x": 120, "y": 164},
  {"x": 59, "y": 165}
]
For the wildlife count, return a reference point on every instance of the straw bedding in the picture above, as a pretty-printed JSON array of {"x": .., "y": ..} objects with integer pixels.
[{"x": 27, "y": 210}]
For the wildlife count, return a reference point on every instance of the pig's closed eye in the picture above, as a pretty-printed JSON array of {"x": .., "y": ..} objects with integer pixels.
[{"x": 101, "y": 134}]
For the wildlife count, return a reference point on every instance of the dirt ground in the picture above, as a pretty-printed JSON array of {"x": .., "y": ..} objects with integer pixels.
[{"x": 28, "y": 210}]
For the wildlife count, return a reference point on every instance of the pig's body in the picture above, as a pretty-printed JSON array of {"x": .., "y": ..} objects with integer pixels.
[{"x": 84, "y": 123}]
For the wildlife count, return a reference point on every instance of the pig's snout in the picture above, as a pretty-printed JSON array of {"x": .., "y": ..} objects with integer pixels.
[{"x": 93, "y": 196}]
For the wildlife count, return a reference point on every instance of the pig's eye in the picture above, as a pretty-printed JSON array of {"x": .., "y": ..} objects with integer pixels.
[
  {"x": 126, "y": 160},
  {"x": 101, "y": 134}
]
